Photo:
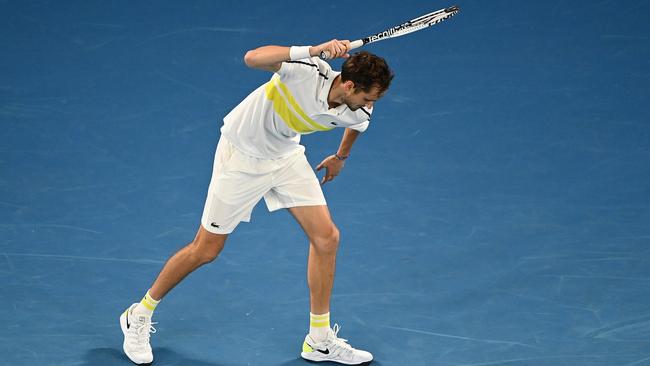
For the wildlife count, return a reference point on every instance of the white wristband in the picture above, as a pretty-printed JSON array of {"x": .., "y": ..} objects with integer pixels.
[{"x": 299, "y": 52}]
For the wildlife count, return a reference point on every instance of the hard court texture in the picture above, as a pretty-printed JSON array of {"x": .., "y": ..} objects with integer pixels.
[{"x": 496, "y": 212}]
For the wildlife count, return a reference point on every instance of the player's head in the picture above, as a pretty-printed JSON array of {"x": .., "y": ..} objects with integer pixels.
[{"x": 370, "y": 77}]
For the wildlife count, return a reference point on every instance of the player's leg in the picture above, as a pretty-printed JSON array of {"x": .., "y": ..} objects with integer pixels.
[
  {"x": 205, "y": 248},
  {"x": 230, "y": 200},
  {"x": 322, "y": 343},
  {"x": 136, "y": 320},
  {"x": 323, "y": 244}
]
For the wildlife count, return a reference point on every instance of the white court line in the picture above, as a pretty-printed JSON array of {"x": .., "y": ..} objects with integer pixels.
[
  {"x": 76, "y": 257},
  {"x": 58, "y": 226},
  {"x": 200, "y": 29},
  {"x": 510, "y": 343}
]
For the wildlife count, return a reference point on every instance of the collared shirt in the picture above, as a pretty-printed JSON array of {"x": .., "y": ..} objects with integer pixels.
[{"x": 268, "y": 123}]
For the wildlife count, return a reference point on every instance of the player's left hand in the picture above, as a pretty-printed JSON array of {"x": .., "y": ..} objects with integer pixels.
[{"x": 333, "y": 167}]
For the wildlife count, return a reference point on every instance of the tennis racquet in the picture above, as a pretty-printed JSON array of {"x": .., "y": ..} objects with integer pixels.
[{"x": 411, "y": 26}]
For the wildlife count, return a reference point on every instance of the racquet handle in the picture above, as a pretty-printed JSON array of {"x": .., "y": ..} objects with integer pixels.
[{"x": 324, "y": 55}]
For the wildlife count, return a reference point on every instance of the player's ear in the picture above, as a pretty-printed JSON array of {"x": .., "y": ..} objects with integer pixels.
[{"x": 348, "y": 86}]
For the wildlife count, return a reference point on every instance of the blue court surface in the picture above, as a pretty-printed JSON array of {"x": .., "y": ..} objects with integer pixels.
[{"x": 496, "y": 212}]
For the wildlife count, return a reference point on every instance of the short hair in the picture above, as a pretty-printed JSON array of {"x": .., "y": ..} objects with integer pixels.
[{"x": 366, "y": 71}]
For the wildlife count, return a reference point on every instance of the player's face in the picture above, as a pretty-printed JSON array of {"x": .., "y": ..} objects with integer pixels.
[{"x": 358, "y": 98}]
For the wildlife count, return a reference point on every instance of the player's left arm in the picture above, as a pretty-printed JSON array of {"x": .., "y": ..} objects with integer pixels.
[{"x": 333, "y": 164}]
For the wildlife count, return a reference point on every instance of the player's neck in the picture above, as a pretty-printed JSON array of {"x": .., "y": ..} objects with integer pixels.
[{"x": 336, "y": 94}]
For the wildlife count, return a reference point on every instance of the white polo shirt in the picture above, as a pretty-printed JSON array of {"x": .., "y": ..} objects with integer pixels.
[{"x": 268, "y": 123}]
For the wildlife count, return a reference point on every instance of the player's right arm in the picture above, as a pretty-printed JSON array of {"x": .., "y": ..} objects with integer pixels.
[{"x": 270, "y": 58}]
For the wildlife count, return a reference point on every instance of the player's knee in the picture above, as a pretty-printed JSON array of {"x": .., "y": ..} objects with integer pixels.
[
  {"x": 206, "y": 249},
  {"x": 209, "y": 254},
  {"x": 327, "y": 241}
]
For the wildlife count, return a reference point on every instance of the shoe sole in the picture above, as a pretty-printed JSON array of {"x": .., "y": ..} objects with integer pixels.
[{"x": 308, "y": 357}]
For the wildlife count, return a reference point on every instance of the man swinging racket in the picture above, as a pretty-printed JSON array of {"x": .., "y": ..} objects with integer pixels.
[{"x": 259, "y": 156}]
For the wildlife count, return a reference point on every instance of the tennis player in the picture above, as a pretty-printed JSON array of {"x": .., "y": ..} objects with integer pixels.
[{"x": 259, "y": 156}]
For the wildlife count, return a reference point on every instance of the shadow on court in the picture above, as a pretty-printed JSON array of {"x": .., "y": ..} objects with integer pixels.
[
  {"x": 301, "y": 362},
  {"x": 163, "y": 356},
  {"x": 167, "y": 357}
]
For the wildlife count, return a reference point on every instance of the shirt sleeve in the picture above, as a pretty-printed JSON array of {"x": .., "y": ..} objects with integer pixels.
[
  {"x": 296, "y": 69},
  {"x": 361, "y": 127},
  {"x": 286, "y": 69},
  {"x": 363, "y": 112}
]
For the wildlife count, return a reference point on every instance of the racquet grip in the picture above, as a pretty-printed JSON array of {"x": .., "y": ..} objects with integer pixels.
[{"x": 324, "y": 55}]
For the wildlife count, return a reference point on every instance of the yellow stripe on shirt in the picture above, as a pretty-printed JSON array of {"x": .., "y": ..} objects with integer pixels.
[{"x": 289, "y": 110}]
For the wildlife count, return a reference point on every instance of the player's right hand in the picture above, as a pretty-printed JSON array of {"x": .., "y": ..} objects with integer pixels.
[
  {"x": 334, "y": 49},
  {"x": 333, "y": 167}
]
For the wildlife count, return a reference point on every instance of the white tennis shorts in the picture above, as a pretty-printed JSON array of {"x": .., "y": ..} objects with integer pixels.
[{"x": 239, "y": 181}]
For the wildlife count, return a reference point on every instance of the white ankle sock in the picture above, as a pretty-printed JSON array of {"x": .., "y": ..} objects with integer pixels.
[
  {"x": 319, "y": 326},
  {"x": 147, "y": 305}
]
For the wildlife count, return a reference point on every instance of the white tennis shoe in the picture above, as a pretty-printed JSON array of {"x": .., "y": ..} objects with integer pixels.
[
  {"x": 334, "y": 349},
  {"x": 137, "y": 329}
]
